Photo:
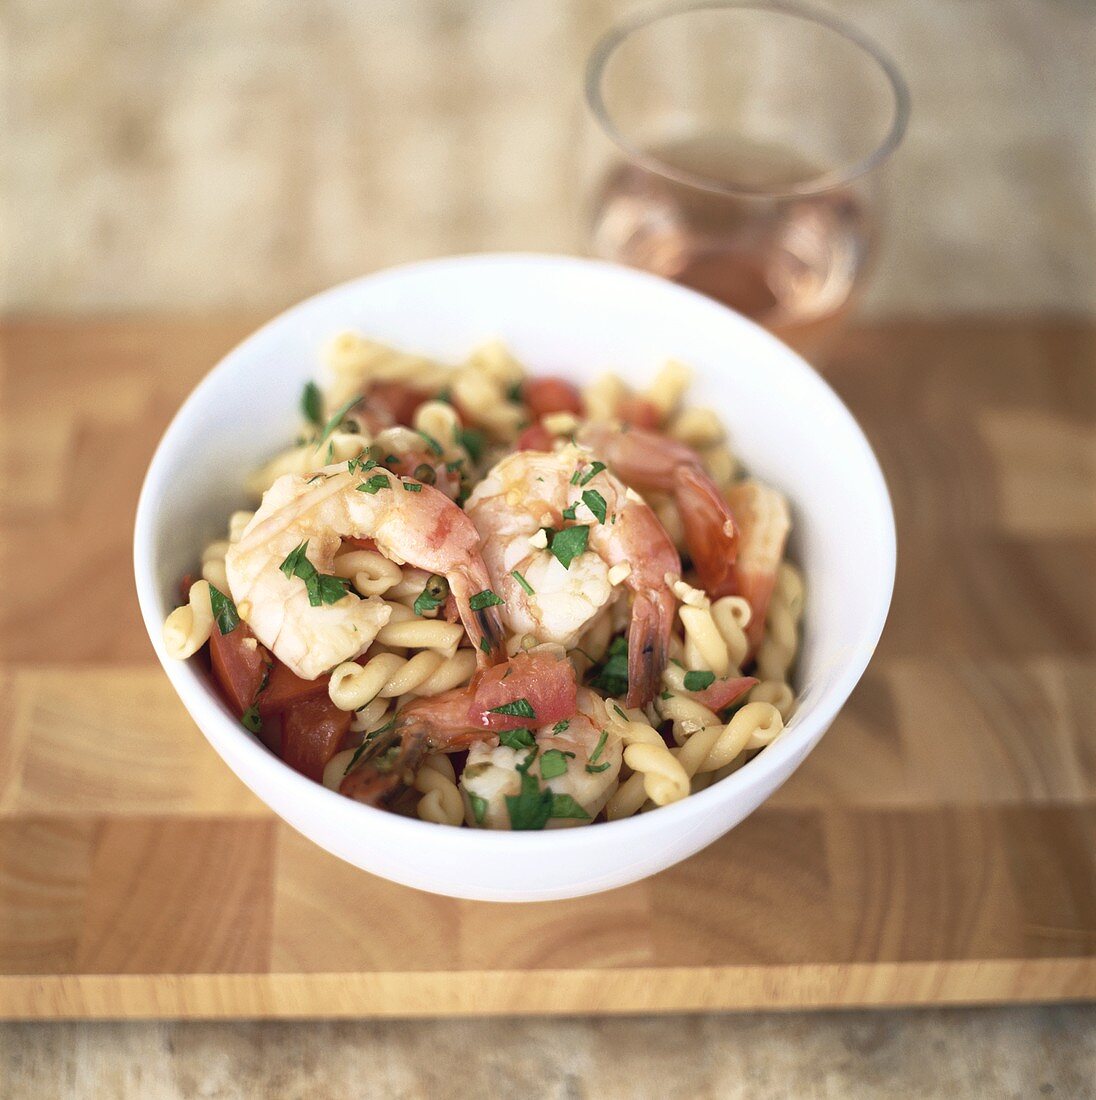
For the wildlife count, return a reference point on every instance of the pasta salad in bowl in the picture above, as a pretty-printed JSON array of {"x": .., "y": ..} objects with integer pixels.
[{"x": 496, "y": 585}]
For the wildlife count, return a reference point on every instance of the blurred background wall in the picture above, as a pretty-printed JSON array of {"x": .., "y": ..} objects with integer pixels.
[{"x": 224, "y": 154}]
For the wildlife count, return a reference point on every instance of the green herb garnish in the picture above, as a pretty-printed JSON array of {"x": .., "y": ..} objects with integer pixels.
[
  {"x": 485, "y": 645},
  {"x": 321, "y": 587},
  {"x": 564, "y": 806},
  {"x": 595, "y": 469},
  {"x": 430, "y": 441},
  {"x": 553, "y": 763},
  {"x": 531, "y": 809},
  {"x": 600, "y": 745},
  {"x": 562, "y": 725},
  {"x": 596, "y": 503},
  {"x": 432, "y": 596},
  {"x": 224, "y": 610},
  {"x": 522, "y": 581},
  {"x": 698, "y": 680},
  {"x": 472, "y": 441},
  {"x": 568, "y": 544},
  {"x": 517, "y": 739},
  {"x": 251, "y": 719},
  {"x": 412, "y": 487},
  {"x": 375, "y": 483},
  {"x": 569, "y": 512},
  {"x": 479, "y": 807},
  {"x": 611, "y": 676},
  {"x": 336, "y": 419},
  {"x": 361, "y": 463},
  {"x": 483, "y": 599},
  {"x": 312, "y": 404},
  {"x": 519, "y": 708},
  {"x": 367, "y": 743}
]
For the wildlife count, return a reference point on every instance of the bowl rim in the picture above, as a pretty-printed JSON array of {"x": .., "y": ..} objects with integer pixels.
[{"x": 249, "y": 758}]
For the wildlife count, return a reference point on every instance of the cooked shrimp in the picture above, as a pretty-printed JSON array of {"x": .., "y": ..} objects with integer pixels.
[
  {"x": 407, "y": 521},
  {"x": 531, "y": 688},
  {"x": 764, "y": 522},
  {"x": 625, "y": 544},
  {"x": 579, "y": 758},
  {"x": 649, "y": 461}
]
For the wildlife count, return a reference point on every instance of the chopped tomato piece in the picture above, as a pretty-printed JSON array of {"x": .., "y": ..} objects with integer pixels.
[
  {"x": 722, "y": 693},
  {"x": 312, "y": 732},
  {"x": 239, "y": 665},
  {"x": 550, "y": 395},
  {"x": 396, "y": 399},
  {"x": 535, "y": 438},
  {"x": 285, "y": 689},
  {"x": 533, "y": 690},
  {"x": 638, "y": 412}
]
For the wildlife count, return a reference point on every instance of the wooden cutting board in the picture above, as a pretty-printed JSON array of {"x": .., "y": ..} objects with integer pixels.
[{"x": 938, "y": 847}]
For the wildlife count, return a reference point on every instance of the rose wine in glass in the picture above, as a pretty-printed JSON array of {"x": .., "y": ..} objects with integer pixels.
[{"x": 724, "y": 193}]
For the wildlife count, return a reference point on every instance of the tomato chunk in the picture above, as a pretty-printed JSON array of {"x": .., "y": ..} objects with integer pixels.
[
  {"x": 285, "y": 689},
  {"x": 639, "y": 412},
  {"x": 551, "y": 395},
  {"x": 239, "y": 665},
  {"x": 535, "y": 438},
  {"x": 312, "y": 732},
  {"x": 722, "y": 693},
  {"x": 396, "y": 399},
  {"x": 535, "y": 689}
]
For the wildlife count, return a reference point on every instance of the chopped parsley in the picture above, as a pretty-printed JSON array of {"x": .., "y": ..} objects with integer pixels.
[
  {"x": 611, "y": 676},
  {"x": 472, "y": 441},
  {"x": 596, "y": 503},
  {"x": 698, "y": 680},
  {"x": 366, "y": 744},
  {"x": 251, "y": 720},
  {"x": 321, "y": 587},
  {"x": 514, "y": 393},
  {"x": 532, "y": 807},
  {"x": 522, "y": 581},
  {"x": 600, "y": 745},
  {"x": 519, "y": 708},
  {"x": 485, "y": 645},
  {"x": 554, "y": 762},
  {"x": 483, "y": 599},
  {"x": 361, "y": 463},
  {"x": 412, "y": 487},
  {"x": 666, "y": 695},
  {"x": 336, "y": 419},
  {"x": 564, "y": 806},
  {"x": 623, "y": 717},
  {"x": 568, "y": 544},
  {"x": 432, "y": 596},
  {"x": 430, "y": 441},
  {"x": 585, "y": 479},
  {"x": 224, "y": 610},
  {"x": 479, "y": 807},
  {"x": 376, "y": 482},
  {"x": 517, "y": 739},
  {"x": 562, "y": 725},
  {"x": 594, "y": 769},
  {"x": 569, "y": 512},
  {"x": 312, "y": 404}
]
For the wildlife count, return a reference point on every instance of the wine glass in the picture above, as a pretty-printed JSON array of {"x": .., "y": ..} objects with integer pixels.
[{"x": 745, "y": 148}]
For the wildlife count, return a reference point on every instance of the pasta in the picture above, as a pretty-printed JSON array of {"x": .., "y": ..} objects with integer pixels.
[{"x": 462, "y": 556}]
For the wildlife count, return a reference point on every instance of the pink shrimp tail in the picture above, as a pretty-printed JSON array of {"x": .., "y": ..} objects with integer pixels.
[
  {"x": 648, "y": 643},
  {"x": 710, "y": 530}
]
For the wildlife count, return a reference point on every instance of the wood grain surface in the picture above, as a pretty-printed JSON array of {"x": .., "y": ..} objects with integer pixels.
[{"x": 938, "y": 847}]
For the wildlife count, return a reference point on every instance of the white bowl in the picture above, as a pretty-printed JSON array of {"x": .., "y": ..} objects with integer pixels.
[{"x": 567, "y": 317}]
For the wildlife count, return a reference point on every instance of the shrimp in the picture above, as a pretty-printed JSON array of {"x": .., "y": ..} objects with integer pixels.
[
  {"x": 551, "y": 601},
  {"x": 764, "y": 523},
  {"x": 407, "y": 521},
  {"x": 537, "y": 687},
  {"x": 579, "y": 759},
  {"x": 649, "y": 461}
]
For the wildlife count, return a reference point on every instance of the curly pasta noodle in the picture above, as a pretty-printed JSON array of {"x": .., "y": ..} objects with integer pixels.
[
  {"x": 668, "y": 387},
  {"x": 213, "y": 556},
  {"x": 406, "y": 630},
  {"x": 776, "y": 692},
  {"x": 441, "y": 800},
  {"x": 658, "y": 775},
  {"x": 441, "y": 422},
  {"x": 601, "y": 398},
  {"x": 355, "y": 362},
  {"x": 390, "y": 676},
  {"x": 485, "y": 402},
  {"x": 188, "y": 628},
  {"x": 778, "y": 649},
  {"x": 372, "y": 573}
]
